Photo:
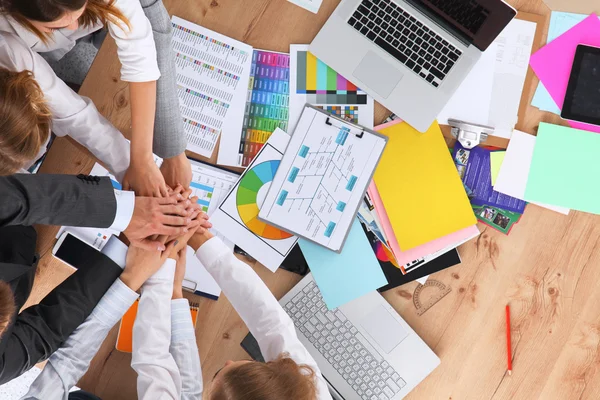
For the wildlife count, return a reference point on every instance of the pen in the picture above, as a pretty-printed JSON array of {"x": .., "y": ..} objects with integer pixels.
[{"x": 508, "y": 346}]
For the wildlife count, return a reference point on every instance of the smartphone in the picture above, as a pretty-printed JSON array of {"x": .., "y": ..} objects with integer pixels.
[{"x": 72, "y": 250}]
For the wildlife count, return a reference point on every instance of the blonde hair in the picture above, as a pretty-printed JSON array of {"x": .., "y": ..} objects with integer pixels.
[
  {"x": 280, "y": 379},
  {"x": 7, "y": 306},
  {"x": 22, "y": 11},
  {"x": 25, "y": 120}
]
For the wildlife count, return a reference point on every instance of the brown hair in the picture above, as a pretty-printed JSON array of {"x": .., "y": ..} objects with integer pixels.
[
  {"x": 52, "y": 10},
  {"x": 7, "y": 306},
  {"x": 280, "y": 379},
  {"x": 25, "y": 120}
]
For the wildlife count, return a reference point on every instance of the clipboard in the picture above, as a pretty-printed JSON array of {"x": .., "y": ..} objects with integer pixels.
[{"x": 322, "y": 178}]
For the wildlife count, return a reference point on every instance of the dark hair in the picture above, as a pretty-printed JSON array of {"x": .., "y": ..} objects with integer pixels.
[
  {"x": 280, "y": 379},
  {"x": 52, "y": 10},
  {"x": 7, "y": 306}
]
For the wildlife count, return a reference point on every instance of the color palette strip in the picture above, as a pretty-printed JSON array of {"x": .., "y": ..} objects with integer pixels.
[
  {"x": 347, "y": 113},
  {"x": 207, "y": 38},
  {"x": 268, "y": 103}
]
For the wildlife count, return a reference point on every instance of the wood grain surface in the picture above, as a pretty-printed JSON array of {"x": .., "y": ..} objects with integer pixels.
[{"x": 547, "y": 269}]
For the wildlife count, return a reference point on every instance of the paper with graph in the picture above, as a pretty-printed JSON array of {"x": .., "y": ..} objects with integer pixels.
[
  {"x": 212, "y": 77},
  {"x": 313, "y": 82},
  {"x": 322, "y": 178}
]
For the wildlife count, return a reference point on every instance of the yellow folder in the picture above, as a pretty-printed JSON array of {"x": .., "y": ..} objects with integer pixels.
[{"x": 420, "y": 187}]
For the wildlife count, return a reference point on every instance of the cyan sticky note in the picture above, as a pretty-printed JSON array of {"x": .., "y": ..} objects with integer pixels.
[
  {"x": 560, "y": 22},
  {"x": 345, "y": 276}
]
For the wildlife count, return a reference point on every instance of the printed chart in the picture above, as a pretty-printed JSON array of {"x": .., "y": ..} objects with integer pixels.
[
  {"x": 267, "y": 106},
  {"x": 314, "y": 82},
  {"x": 212, "y": 78}
]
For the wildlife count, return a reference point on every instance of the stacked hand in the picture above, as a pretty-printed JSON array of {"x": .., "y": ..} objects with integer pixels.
[{"x": 141, "y": 264}]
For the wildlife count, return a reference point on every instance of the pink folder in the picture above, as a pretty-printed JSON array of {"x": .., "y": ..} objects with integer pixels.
[
  {"x": 404, "y": 257},
  {"x": 553, "y": 62}
]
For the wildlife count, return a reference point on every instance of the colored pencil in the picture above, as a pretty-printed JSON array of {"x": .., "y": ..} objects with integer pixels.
[{"x": 508, "y": 346}]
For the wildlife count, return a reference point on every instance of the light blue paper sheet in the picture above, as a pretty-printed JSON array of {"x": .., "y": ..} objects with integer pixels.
[
  {"x": 560, "y": 22},
  {"x": 348, "y": 275}
]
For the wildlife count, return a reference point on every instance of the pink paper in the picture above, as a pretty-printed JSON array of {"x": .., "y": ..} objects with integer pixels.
[
  {"x": 553, "y": 62},
  {"x": 404, "y": 257},
  {"x": 388, "y": 124}
]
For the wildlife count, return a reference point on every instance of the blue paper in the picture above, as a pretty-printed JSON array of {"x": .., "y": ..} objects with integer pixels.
[
  {"x": 560, "y": 22},
  {"x": 475, "y": 171},
  {"x": 348, "y": 275}
]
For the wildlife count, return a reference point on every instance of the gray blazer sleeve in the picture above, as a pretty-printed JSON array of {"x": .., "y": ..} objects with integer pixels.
[
  {"x": 57, "y": 200},
  {"x": 169, "y": 137}
]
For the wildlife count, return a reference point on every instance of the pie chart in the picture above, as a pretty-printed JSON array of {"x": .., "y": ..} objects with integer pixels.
[{"x": 257, "y": 178}]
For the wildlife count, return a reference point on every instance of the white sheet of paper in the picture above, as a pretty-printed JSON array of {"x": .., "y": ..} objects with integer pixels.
[
  {"x": 472, "y": 101},
  {"x": 423, "y": 279},
  {"x": 310, "y": 5},
  {"x": 513, "y": 176},
  {"x": 213, "y": 72},
  {"x": 512, "y": 60},
  {"x": 228, "y": 221}
]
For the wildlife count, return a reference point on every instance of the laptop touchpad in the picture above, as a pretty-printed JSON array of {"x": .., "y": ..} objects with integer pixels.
[
  {"x": 378, "y": 74},
  {"x": 384, "y": 328}
]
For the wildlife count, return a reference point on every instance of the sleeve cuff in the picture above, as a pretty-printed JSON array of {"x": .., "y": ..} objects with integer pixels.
[
  {"x": 182, "y": 326},
  {"x": 166, "y": 272},
  {"x": 116, "y": 251},
  {"x": 211, "y": 251},
  {"x": 125, "y": 207},
  {"x": 115, "y": 303}
]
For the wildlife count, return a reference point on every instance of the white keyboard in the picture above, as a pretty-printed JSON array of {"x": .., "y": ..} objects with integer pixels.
[{"x": 346, "y": 349}]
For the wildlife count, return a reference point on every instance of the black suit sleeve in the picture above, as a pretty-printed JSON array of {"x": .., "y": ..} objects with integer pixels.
[
  {"x": 57, "y": 200},
  {"x": 40, "y": 330}
]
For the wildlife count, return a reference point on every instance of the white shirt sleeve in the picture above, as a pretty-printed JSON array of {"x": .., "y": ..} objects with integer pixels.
[
  {"x": 267, "y": 321},
  {"x": 135, "y": 46},
  {"x": 67, "y": 365},
  {"x": 185, "y": 350},
  {"x": 72, "y": 114},
  {"x": 125, "y": 207},
  {"x": 158, "y": 375}
]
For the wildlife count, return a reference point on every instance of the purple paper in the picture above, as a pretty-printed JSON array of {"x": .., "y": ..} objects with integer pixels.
[{"x": 475, "y": 171}]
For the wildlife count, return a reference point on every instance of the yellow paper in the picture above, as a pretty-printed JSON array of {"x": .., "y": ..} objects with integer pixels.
[
  {"x": 496, "y": 160},
  {"x": 420, "y": 187}
]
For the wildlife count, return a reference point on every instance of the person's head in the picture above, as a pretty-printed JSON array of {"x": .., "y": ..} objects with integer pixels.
[
  {"x": 7, "y": 306},
  {"x": 43, "y": 17},
  {"x": 25, "y": 120},
  {"x": 252, "y": 380}
]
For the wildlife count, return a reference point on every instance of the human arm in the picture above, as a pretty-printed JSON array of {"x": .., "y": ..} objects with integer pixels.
[
  {"x": 184, "y": 348},
  {"x": 256, "y": 305},
  {"x": 72, "y": 114}
]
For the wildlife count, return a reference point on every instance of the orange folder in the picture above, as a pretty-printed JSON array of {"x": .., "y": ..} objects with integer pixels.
[{"x": 125, "y": 338}]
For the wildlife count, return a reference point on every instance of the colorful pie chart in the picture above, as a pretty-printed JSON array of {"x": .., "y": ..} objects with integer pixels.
[{"x": 246, "y": 200}]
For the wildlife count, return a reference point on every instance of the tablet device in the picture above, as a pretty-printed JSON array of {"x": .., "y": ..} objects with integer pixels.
[{"x": 582, "y": 100}]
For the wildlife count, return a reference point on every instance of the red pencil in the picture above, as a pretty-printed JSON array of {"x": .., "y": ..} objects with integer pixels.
[{"x": 508, "y": 346}]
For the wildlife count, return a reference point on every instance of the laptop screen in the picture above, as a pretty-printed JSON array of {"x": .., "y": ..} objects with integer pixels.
[{"x": 478, "y": 22}]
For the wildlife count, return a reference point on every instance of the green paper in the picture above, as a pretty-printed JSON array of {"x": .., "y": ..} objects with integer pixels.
[
  {"x": 497, "y": 218},
  {"x": 565, "y": 169},
  {"x": 496, "y": 159}
]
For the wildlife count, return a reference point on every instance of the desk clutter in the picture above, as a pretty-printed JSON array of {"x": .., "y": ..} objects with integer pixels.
[{"x": 372, "y": 207}]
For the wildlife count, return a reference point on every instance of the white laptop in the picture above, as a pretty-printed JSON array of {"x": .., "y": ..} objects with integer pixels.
[
  {"x": 364, "y": 349},
  {"x": 410, "y": 55}
]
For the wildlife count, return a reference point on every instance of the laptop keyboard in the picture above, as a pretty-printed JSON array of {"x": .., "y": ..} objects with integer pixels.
[
  {"x": 406, "y": 39},
  {"x": 346, "y": 349}
]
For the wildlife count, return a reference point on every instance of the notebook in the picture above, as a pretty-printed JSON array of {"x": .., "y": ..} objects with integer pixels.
[{"x": 125, "y": 337}]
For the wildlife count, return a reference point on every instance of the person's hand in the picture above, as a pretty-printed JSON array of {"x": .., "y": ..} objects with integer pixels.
[
  {"x": 145, "y": 179},
  {"x": 177, "y": 171},
  {"x": 179, "y": 273},
  {"x": 161, "y": 216},
  {"x": 141, "y": 264},
  {"x": 199, "y": 238}
]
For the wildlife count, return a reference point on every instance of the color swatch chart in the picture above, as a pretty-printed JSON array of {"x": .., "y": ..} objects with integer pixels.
[
  {"x": 322, "y": 84},
  {"x": 267, "y": 107},
  {"x": 212, "y": 78},
  {"x": 347, "y": 113}
]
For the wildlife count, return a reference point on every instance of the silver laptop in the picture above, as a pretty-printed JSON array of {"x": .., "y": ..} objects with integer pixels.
[
  {"x": 364, "y": 349},
  {"x": 410, "y": 55}
]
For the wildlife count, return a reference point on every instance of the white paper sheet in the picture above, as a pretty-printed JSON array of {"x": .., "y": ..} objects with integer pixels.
[
  {"x": 472, "y": 101},
  {"x": 310, "y": 5},
  {"x": 213, "y": 72},
  {"x": 366, "y": 112},
  {"x": 237, "y": 217},
  {"x": 514, "y": 173}
]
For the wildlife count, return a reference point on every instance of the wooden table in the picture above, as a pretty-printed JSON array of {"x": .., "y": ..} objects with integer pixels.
[{"x": 547, "y": 268}]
